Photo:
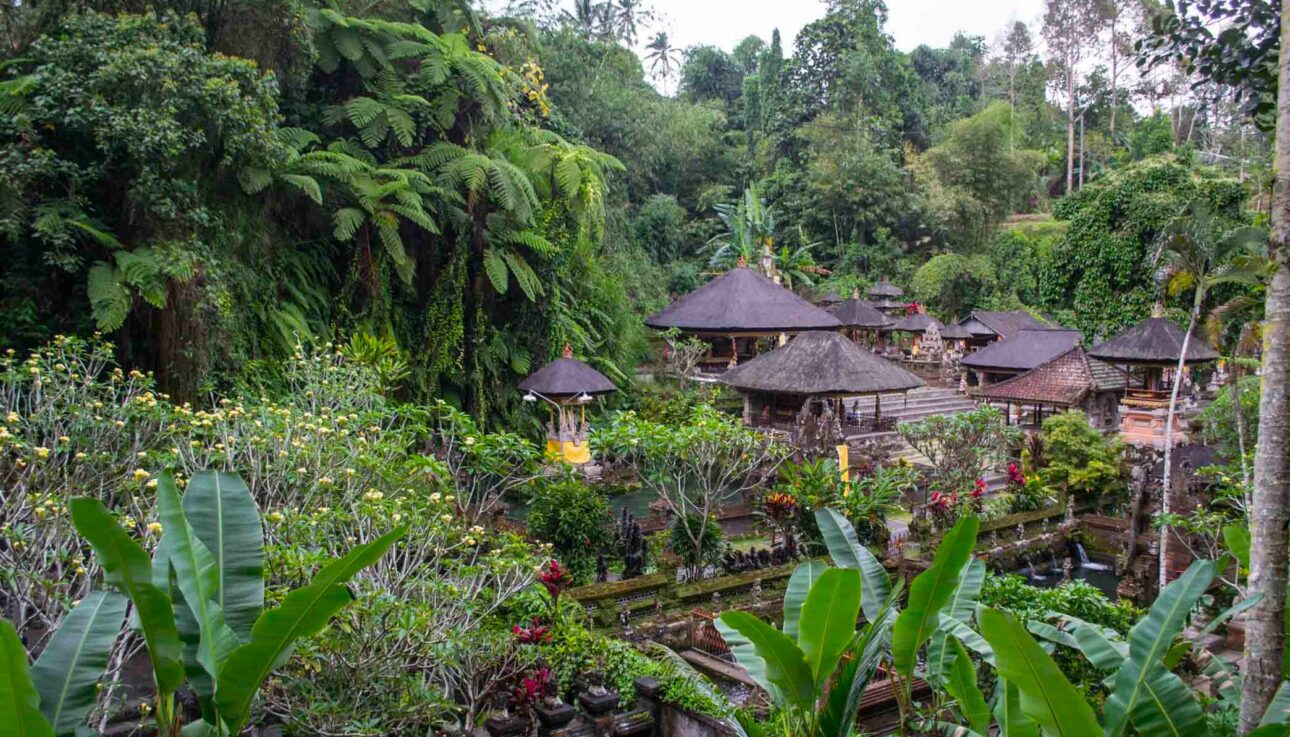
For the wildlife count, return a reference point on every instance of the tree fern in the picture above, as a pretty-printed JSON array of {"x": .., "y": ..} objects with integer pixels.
[
  {"x": 496, "y": 269},
  {"x": 110, "y": 301}
]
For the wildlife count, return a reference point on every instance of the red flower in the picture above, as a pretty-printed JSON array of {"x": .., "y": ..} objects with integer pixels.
[
  {"x": 535, "y": 634},
  {"x": 979, "y": 490},
  {"x": 530, "y": 690},
  {"x": 555, "y": 578},
  {"x": 1015, "y": 476}
]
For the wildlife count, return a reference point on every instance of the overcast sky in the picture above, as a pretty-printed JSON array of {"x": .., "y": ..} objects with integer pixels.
[{"x": 911, "y": 22}]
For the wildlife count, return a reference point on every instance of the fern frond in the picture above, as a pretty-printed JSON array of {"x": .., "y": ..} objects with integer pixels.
[
  {"x": 109, "y": 300},
  {"x": 346, "y": 222},
  {"x": 496, "y": 269}
]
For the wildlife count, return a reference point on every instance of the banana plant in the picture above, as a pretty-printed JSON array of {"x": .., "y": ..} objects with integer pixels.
[{"x": 199, "y": 605}]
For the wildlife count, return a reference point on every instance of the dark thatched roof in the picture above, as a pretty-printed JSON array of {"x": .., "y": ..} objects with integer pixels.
[
  {"x": 857, "y": 313},
  {"x": 1023, "y": 351},
  {"x": 742, "y": 301},
  {"x": 1153, "y": 341},
  {"x": 917, "y": 323},
  {"x": 1066, "y": 381},
  {"x": 1003, "y": 324},
  {"x": 831, "y": 298},
  {"x": 820, "y": 363},
  {"x": 955, "y": 331},
  {"x": 885, "y": 288},
  {"x": 567, "y": 377}
]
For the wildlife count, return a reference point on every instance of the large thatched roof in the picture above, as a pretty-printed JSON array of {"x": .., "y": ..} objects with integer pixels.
[
  {"x": 1023, "y": 351},
  {"x": 742, "y": 301},
  {"x": 857, "y": 313},
  {"x": 820, "y": 363},
  {"x": 885, "y": 289},
  {"x": 567, "y": 377},
  {"x": 1065, "y": 381},
  {"x": 917, "y": 323},
  {"x": 1155, "y": 340}
]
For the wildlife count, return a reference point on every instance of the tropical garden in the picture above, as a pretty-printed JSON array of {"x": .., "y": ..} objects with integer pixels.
[{"x": 275, "y": 270}]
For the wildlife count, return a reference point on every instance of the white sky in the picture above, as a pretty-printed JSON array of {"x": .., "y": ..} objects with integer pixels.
[{"x": 911, "y": 22}]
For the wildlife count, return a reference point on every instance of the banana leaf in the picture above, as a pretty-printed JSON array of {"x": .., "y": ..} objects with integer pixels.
[
  {"x": 19, "y": 702},
  {"x": 930, "y": 592},
  {"x": 68, "y": 671}
]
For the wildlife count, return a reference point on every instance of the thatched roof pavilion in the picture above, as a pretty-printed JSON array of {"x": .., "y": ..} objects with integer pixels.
[
  {"x": 566, "y": 385},
  {"x": 1071, "y": 380},
  {"x": 1150, "y": 350},
  {"x": 828, "y": 300},
  {"x": 814, "y": 365},
  {"x": 735, "y": 309},
  {"x": 884, "y": 290},
  {"x": 1154, "y": 341},
  {"x": 859, "y": 314},
  {"x": 917, "y": 323},
  {"x": 956, "y": 335}
]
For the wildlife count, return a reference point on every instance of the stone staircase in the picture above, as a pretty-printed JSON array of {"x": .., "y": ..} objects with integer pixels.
[{"x": 916, "y": 405}]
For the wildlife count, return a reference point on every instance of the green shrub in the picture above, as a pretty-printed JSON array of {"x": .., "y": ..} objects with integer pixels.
[
  {"x": 573, "y": 517},
  {"x": 1080, "y": 459}
]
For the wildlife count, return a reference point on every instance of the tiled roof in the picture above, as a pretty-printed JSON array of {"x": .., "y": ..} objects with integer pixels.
[
  {"x": 1023, "y": 351},
  {"x": 1065, "y": 380}
]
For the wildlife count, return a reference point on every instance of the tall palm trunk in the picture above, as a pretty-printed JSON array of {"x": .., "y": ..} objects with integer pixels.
[
  {"x": 1265, "y": 624},
  {"x": 1070, "y": 125},
  {"x": 1166, "y": 477}
]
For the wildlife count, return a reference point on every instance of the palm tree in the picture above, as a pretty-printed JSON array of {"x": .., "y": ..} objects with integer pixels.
[
  {"x": 1195, "y": 254},
  {"x": 750, "y": 232},
  {"x": 664, "y": 59}
]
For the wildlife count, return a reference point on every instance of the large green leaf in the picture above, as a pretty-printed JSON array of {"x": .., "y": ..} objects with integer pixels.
[
  {"x": 961, "y": 684},
  {"x": 1278, "y": 711},
  {"x": 19, "y": 702},
  {"x": 930, "y": 592},
  {"x": 968, "y": 636},
  {"x": 196, "y": 578},
  {"x": 225, "y": 518},
  {"x": 842, "y": 703},
  {"x": 127, "y": 567},
  {"x": 828, "y": 622},
  {"x": 68, "y": 670},
  {"x": 1007, "y": 712},
  {"x": 770, "y": 658},
  {"x": 960, "y": 607},
  {"x": 1097, "y": 645},
  {"x": 302, "y": 614},
  {"x": 1237, "y": 539},
  {"x": 847, "y": 552},
  {"x": 1151, "y": 638},
  {"x": 1046, "y": 696},
  {"x": 1167, "y": 707},
  {"x": 799, "y": 585}
]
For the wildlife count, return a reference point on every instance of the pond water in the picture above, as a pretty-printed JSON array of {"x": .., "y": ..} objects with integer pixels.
[{"x": 1097, "y": 570}]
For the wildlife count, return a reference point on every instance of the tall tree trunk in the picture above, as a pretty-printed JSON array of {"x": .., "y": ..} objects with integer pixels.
[
  {"x": 1115, "y": 66},
  {"x": 1265, "y": 623},
  {"x": 1166, "y": 476},
  {"x": 1070, "y": 124}
]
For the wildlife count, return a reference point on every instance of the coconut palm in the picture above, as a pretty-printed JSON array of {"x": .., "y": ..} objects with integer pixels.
[
  {"x": 664, "y": 59},
  {"x": 1196, "y": 253}
]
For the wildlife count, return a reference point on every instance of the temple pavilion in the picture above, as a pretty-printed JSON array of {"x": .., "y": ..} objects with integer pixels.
[
  {"x": 812, "y": 374},
  {"x": 955, "y": 338},
  {"x": 862, "y": 321},
  {"x": 1149, "y": 353},
  {"x": 911, "y": 330},
  {"x": 989, "y": 327},
  {"x": 567, "y": 385},
  {"x": 885, "y": 296},
  {"x": 738, "y": 314},
  {"x": 829, "y": 300},
  {"x": 1072, "y": 380},
  {"x": 1026, "y": 350}
]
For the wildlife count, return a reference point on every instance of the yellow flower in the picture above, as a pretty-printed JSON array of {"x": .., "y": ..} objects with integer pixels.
[
  {"x": 445, "y": 518},
  {"x": 436, "y": 496},
  {"x": 140, "y": 474},
  {"x": 373, "y": 495},
  {"x": 470, "y": 541},
  {"x": 275, "y": 517},
  {"x": 155, "y": 528},
  {"x": 152, "y": 483},
  {"x": 11, "y": 418},
  {"x": 42, "y": 452},
  {"x": 64, "y": 439},
  {"x": 130, "y": 523},
  {"x": 470, "y": 440}
]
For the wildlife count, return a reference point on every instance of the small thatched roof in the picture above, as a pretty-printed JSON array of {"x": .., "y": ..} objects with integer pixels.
[
  {"x": 984, "y": 323},
  {"x": 918, "y": 323},
  {"x": 955, "y": 331},
  {"x": 1155, "y": 340},
  {"x": 831, "y": 298},
  {"x": 885, "y": 289},
  {"x": 1023, "y": 351},
  {"x": 857, "y": 313},
  {"x": 742, "y": 301},
  {"x": 1064, "y": 381},
  {"x": 567, "y": 377},
  {"x": 820, "y": 363}
]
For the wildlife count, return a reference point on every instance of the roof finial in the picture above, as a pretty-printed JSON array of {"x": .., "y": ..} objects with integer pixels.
[
  {"x": 743, "y": 262},
  {"x": 855, "y": 293},
  {"x": 568, "y": 351},
  {"x": 1158, "y": 309}
]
